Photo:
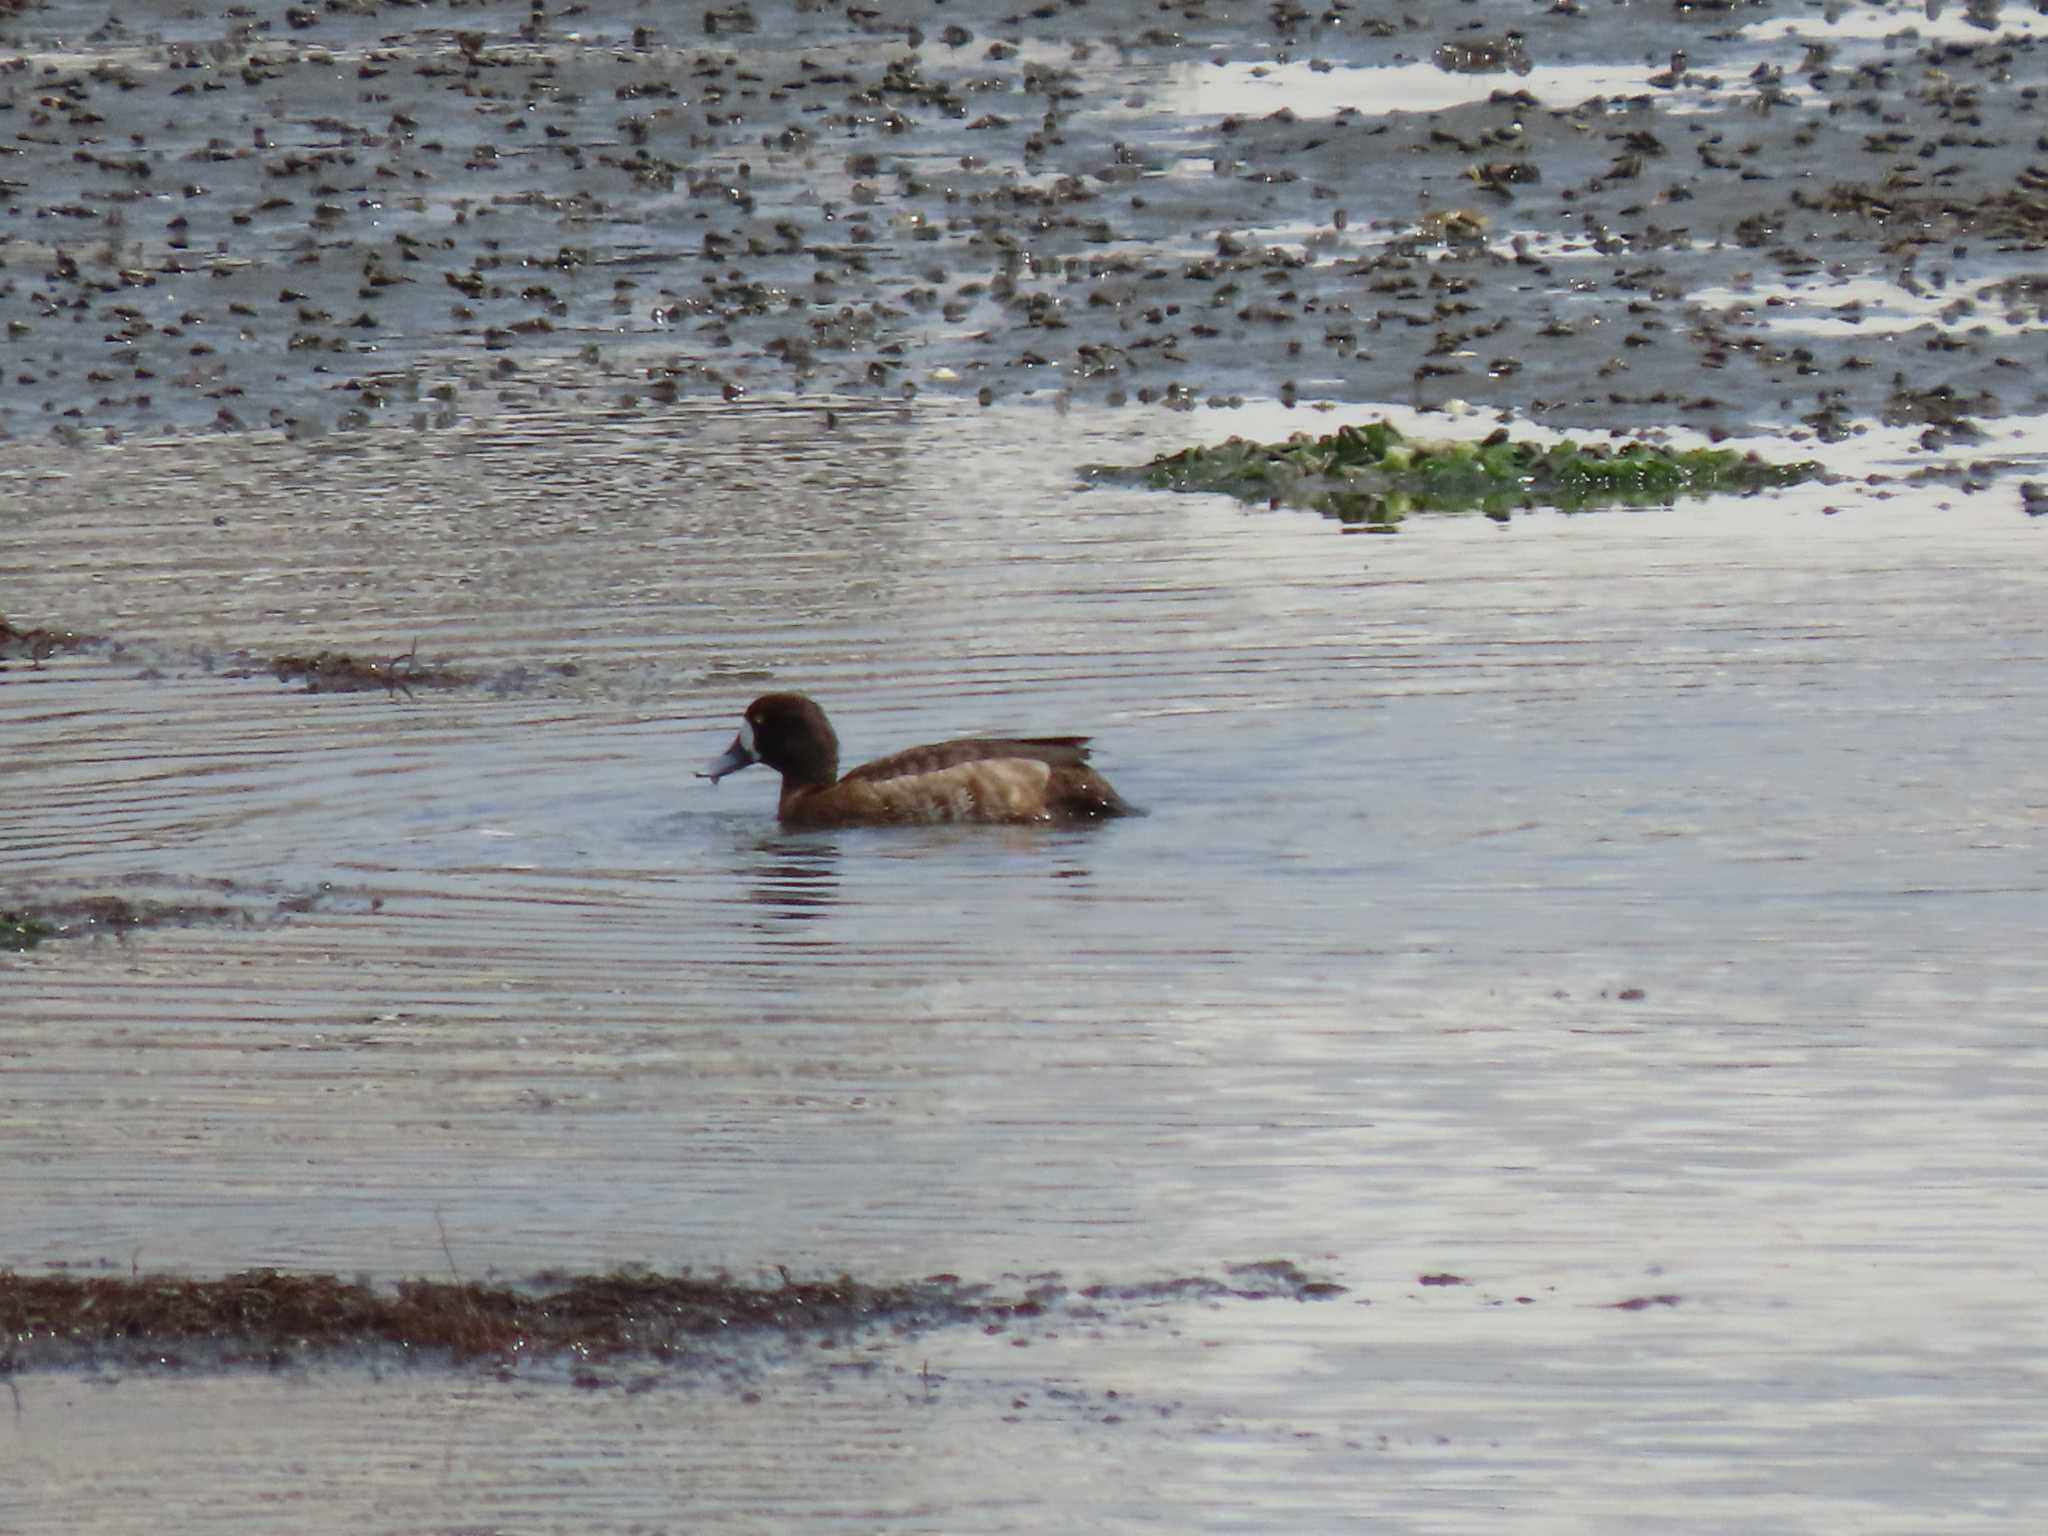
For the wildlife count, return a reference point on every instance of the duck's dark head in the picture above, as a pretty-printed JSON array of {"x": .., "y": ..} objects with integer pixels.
[{"x": 789, "y": 733}]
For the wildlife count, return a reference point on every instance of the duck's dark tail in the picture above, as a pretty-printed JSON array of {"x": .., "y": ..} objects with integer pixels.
[{"x": 1079, "y": 793}]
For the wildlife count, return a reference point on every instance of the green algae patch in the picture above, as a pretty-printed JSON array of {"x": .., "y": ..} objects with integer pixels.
[
  {"x": 1374, "y": 475},
  {"x": 22, "y": 930}
]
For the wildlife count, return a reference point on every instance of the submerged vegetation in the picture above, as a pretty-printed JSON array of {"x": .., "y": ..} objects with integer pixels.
[
  {"x": 31, "y": 917},
  {"x": 1374, "y": 475},
  {"x": 22, "y": 930},
  {"x": 337, "y": 672},
  {"x": 35, "y": 642},
  {"x": 321, "y": 671},
  {"x": 85, "y": 916}
]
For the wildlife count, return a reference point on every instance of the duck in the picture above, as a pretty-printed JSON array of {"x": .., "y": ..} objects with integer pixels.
[{"x": 1006, "y": 780}]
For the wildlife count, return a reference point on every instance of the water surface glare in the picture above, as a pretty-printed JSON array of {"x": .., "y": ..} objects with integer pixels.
[{"x": 1593, "y": 909}]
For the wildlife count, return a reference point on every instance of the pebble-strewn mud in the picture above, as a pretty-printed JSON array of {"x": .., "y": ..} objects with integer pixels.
[{"x": 318, "y": 217}]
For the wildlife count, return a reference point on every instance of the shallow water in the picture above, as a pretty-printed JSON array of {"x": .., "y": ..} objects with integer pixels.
[
  {"x": 1607, "y": 946},
  {"x": 1423, "y": 809}
]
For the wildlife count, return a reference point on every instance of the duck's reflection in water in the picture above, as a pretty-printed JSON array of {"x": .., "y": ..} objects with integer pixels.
[
  {"x": 798, "y": 877},
  {"x": 792, "y": 878}
]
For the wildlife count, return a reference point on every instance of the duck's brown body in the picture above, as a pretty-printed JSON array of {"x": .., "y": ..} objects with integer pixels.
[{"x": 994, "y": 780}]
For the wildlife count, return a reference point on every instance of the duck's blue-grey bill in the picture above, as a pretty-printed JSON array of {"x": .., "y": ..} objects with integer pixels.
[{"x": 735, "y": 758}]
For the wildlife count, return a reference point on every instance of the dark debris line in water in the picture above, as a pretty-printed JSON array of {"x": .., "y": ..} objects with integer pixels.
[
  {"x": 31, "y": 920},
  {"x": 270, "y": 1317},
  {"x": 35, "y": 642},
  {"x": 335, "y": 672},
  {"x": 24, "y": 927},
  {"x": 315, "y": 672},
  {"x": 340, "y": 672},
  {"x": 1374, "y": 475}
]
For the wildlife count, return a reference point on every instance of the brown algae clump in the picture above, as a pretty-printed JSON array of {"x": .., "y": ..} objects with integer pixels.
[{"x": 1376, "y": 475}]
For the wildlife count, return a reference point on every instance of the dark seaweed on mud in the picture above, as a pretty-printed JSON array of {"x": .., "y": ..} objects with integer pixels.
[{"x": 271, "y": 1317}]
